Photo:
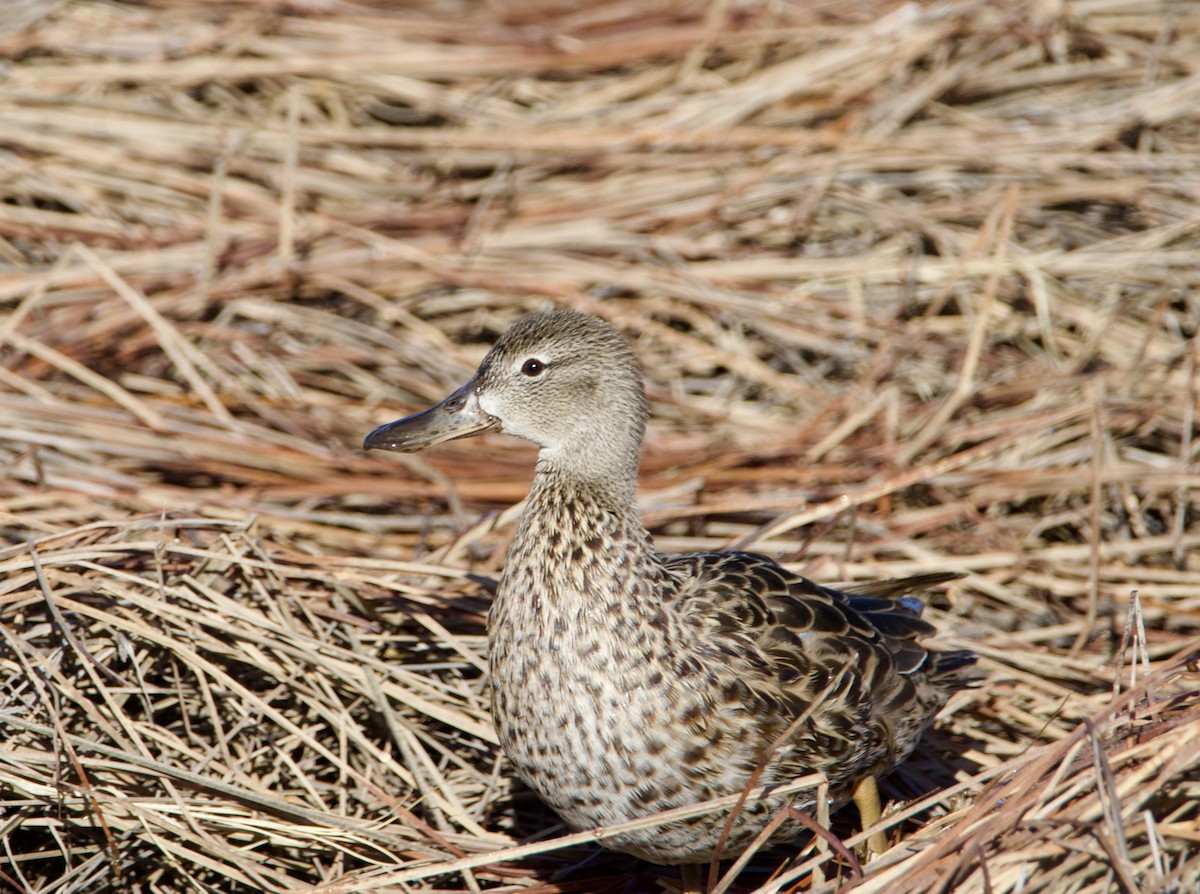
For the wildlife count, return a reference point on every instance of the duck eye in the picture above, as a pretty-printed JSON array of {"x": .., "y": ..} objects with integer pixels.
[{"x": 533, "y": 367}]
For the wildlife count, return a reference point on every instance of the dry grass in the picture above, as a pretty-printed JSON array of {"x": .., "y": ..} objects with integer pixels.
[{"x": 915, "y": 287}]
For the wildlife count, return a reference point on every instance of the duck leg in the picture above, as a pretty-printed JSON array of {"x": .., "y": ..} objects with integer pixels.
[
  {"x": 692, "y": 873},
  {"x": 866, "y": 799}
]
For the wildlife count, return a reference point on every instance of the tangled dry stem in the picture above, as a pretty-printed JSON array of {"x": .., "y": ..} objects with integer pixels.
[{"x": 915, "y": 288}]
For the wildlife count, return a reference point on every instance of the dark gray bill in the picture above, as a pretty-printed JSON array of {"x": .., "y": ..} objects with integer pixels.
[{"x": 458, "y": 416}]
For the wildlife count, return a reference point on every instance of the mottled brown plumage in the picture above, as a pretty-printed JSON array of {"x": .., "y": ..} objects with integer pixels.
[{"x": 625, "y": 682}]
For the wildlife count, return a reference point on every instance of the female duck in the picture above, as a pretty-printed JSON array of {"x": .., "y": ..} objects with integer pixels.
[{"x": 625, "y": 682}]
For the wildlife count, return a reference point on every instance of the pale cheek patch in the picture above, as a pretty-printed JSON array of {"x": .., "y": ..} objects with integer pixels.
[{"x": 488, "y": 404}]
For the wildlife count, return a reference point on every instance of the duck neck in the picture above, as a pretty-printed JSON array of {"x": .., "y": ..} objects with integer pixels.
[
  {"x": 596, "y": 477},
  {"x": 580, "y": 543}
]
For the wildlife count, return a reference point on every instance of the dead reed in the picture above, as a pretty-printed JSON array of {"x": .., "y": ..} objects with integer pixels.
[{"x": 915, "y": 287}]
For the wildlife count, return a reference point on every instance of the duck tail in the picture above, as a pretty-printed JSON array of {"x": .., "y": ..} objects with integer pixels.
[{"x": 952, "y": 671}]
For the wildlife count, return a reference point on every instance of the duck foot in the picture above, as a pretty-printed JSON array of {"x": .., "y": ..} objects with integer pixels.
[{"x": 866, "y": 799}]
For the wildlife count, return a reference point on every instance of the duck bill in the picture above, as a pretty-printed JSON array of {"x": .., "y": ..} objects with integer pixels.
[{"x": 458, "y": 416}]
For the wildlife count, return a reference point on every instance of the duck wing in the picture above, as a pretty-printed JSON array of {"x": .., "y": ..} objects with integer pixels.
[{"x": 851, "y": 660}]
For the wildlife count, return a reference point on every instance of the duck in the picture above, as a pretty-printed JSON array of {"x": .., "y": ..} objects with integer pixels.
[{"x": 625, "y": 682}]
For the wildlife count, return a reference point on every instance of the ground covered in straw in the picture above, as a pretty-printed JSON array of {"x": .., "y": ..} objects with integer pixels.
[{"x": 914, "y": 286}]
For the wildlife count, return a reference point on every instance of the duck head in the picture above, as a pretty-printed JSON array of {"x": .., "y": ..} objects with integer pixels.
[{"x": 567, "y": 381}]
